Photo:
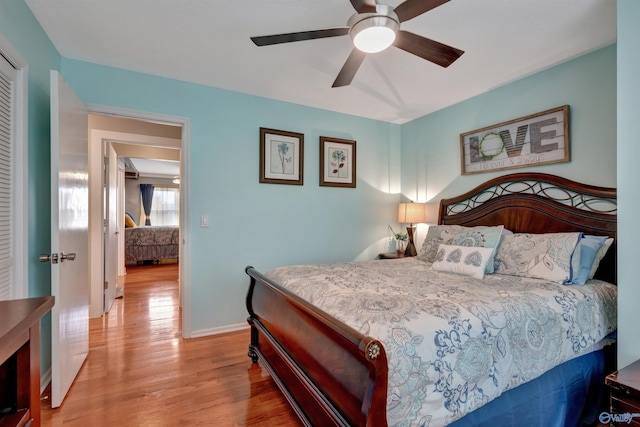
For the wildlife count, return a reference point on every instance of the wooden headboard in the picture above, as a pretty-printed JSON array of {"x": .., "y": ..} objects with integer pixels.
[{"x": 539, "y": 203}]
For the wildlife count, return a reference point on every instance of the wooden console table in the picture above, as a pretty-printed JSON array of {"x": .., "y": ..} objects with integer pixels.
[{"x": 20, "y": 360}]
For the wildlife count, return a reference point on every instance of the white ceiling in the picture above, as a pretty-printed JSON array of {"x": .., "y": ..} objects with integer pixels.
[
  {"x": 152, "y": 168},
  {"x": 207, "y": 42}
]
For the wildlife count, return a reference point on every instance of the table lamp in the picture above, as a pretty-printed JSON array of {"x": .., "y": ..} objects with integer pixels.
[{"x": 411, "y": 213}]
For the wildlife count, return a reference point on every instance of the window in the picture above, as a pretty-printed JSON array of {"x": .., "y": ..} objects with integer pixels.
[
  {"x": 7, "y": 190},
  {"x": 165, "y": 208}
]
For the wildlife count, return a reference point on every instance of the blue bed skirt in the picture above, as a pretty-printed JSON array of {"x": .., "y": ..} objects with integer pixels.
[{"x": 571, "y": 394}]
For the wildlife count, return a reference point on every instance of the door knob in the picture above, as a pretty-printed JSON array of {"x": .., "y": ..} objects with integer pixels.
[
  {"x": 70, "y": 256},
  {"x": 46, "y": 258}
]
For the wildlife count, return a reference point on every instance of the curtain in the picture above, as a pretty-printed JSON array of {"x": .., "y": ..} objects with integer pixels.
[{"x": 147, "y": 197}]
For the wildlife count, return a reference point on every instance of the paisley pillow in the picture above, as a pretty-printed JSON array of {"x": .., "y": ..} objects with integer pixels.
[
  {"x": 542, "y": 256},
  {"x": 467, "y": 260}
]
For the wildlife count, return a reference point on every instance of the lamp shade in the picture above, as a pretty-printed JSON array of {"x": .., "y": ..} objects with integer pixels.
[{"x": 412, "y": 213}]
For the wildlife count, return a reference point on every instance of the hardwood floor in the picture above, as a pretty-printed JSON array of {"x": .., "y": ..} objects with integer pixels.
[{"x": 141, "y": 372}]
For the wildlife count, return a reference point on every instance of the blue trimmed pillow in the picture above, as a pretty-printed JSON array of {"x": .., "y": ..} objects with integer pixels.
[
  {"x": 467, "y": 260},
  {"x": 583, "y": 258},
  {"x": 542, "y": 256},
  {"x": 601, "y": 253}
]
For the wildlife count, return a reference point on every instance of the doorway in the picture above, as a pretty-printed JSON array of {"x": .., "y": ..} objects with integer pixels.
[{"x": 118, "y": 135}]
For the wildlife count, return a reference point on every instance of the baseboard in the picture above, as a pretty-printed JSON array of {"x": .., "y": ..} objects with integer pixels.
[{"x": 220, "y": 330}]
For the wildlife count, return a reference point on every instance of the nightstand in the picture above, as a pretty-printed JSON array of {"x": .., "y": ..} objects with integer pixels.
[
  {"x": 390, "y": 255},
  {"x": 625, "y": 395}
]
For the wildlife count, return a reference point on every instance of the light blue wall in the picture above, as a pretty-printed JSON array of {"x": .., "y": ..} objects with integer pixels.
[
  {"x": 270, "y": 225},
  {"x": 263, "y": 225},
  {"x": 628, "y": 180},
  {"x": 20, "y": 28},
  {"x": 431, "y": 144},
  {"x": 604, "y": 145}
]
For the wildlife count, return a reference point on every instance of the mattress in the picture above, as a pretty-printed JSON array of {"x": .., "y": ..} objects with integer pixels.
[{"x": 454, "y": 343}]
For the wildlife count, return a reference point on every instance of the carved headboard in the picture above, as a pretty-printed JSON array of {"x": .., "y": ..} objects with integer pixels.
[{"x": 539, "y": 203}]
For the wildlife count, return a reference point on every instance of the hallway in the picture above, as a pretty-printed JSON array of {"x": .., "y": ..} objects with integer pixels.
[{"x": 141, "y": 372}]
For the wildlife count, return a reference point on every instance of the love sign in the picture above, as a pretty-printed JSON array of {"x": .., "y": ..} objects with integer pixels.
[{"x": 537, "y": 139}]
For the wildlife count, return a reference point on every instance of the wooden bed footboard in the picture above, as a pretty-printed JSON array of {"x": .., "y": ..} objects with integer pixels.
[{"x": 331, "y": 374}]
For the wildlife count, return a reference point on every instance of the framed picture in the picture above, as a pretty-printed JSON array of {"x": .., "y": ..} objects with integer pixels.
[
  {"x": 281, "y": 157},
  {"x": 337, "y": 162},
  {"x": 537, "y": 139}
]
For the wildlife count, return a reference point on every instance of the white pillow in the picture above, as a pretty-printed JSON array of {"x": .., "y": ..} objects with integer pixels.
[
  {"x": 467, "y": 260},
  {"x": 478, "y": 236}
]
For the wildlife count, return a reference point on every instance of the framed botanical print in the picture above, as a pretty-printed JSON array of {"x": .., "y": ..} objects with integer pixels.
[
  {"x": 281, "y": 157},
  {"x": 337, "y": 162}
]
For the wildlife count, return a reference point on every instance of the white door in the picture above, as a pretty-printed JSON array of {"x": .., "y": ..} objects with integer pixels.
[
  {"x": 111, "y": 228},
  {"x": 69, "y": 235},
  {"x": 120, "y": 219}
]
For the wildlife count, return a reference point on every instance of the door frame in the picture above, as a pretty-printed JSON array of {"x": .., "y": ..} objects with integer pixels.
[
  {"x": 184, "y": 264},
  {"x": 112, "y": 224},
  {"x": 134, "y": 145}
]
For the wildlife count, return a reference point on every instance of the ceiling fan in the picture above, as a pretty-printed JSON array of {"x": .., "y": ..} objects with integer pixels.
[{"x": 373, "y": 28}]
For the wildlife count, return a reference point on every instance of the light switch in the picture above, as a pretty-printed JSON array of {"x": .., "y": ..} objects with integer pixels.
[{"x": 204, "y": 221}]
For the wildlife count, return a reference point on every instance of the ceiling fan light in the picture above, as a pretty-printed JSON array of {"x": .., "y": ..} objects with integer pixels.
[
  {"x": 374, "y": 34},
  {"x": 374, "y": 39}
]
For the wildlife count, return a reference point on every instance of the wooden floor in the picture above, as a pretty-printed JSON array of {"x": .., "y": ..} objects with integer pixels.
[{"x": 141, "y": 372}]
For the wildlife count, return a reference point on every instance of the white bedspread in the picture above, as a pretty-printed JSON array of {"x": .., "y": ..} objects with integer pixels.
[{"x": 453, "y": 342}]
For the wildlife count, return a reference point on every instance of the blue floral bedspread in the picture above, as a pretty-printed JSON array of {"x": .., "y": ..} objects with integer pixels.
[{"x": 454, "y": 342}]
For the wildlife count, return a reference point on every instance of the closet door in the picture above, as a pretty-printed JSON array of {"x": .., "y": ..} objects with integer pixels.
[{"x": 7, "y": 177}]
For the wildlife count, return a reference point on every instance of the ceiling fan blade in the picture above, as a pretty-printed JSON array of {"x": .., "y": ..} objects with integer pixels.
[
  {"x": 428, "y": 49},
  {"x": 412, "y": 8},
  {"x": 364, "y": 6},
  {"x": 349, "y": 69},
  {"x": 300, "y": 36}
]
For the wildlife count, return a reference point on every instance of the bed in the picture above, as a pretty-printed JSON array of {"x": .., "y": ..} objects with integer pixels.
[
  {"x": 349, "y": 368},
  {"x": 150, "y": 243}
]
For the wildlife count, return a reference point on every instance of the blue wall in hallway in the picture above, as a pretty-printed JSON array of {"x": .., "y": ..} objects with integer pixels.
[{"x": 263, "y": 225}]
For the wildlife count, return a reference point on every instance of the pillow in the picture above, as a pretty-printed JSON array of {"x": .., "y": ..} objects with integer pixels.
[
  {"x": 583, "y": 257},
  {"x": 542, "y": 256},
  {"x": 480, "y": 236},
  {"x": 128, "y": 222},
  {"x": 467, "y": 260},
  {"x": 601, "y": 253}
]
